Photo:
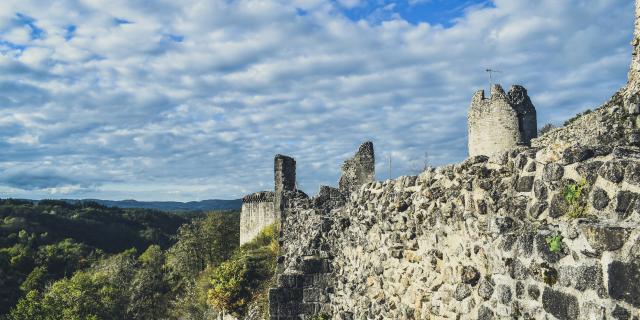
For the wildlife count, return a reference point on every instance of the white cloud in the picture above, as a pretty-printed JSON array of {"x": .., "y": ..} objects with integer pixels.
[{"x": 198, "y": 95}]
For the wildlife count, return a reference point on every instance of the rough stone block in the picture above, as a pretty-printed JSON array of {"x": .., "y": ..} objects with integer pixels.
[
  {"x": 612, "y": 171},
  {"x": 558, "y": 207},
  {"x": 588, "y": 277},
  {"x": 540, "y": 190},
  {"x": 470, "y": 275},
  {"x": 600, "y": 199},
  {"x": 537, "y": 209},
  {"x": 605, "y": 238},
  {"x": 518, "y": 271},
  {"x": 485, "y": 313},
  {"x": 533, "y": 291},
  {"x": 462, "y": 291},
  {"x": 624, "y": 282},
  {"x": 524, "y": 183},
  {"x": 576, "y": 153},
  {"x": 309, "y": 308},
  {"x": 485, "y": 289},
  {"x": 552, "y": 172},
  {"x": 620, "y": 313},
  {"x": 560, "y": 305},
  {"x": 626, "y": 203},
  {"x": 290, "y": 280},
  {"x": 504, "y": 294},
  {"x": 589, "y": 170},
  {"x": 312, "y": 295},
  {"x": 632, "y": 173}
]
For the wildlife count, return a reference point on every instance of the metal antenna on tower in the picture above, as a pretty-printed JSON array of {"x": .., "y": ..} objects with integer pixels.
[{"x": 491, "y": 72}]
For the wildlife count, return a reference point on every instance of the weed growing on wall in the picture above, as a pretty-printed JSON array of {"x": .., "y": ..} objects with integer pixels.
[
  {"x": 574, "y": 196},
  {"x": 554, "y": 243}
]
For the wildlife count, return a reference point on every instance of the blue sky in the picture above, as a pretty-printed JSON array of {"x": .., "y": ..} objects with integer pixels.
[
  {"x": 435, "y": 12},
  {"x": 188, "y": 100}
]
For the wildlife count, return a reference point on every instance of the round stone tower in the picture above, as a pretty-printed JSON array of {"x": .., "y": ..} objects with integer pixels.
[{"x": 502, "y": 121}]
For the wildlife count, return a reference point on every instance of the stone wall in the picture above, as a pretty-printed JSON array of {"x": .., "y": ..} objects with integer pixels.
[
  {"x": 610, "y": 124},
  {"x": 544, "y": 232},
  {"x": 501, "y": 121},
  {"x": 473, "y": 241},
  {"x": 257, "y": 213}
]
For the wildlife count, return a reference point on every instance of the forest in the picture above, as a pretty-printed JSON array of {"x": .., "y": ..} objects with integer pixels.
[{"x": 60, "y": 260}]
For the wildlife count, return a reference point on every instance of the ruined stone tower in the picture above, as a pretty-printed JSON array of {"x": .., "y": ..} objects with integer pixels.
[
  {"x": 264, "y": 208},
  {"x": 501, "y": 121},
  {"x": 358, "y": 170},
  {"x": 284, "y": 168}
]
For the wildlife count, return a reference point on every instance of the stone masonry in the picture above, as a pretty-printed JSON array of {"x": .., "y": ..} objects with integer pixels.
[
  {"x": 358, "y": 170},
  {"x": 284, "y": 169},
  {"x": 494, "y": 237},
  {"x": 257, "y": 212},
  {"x": 550, "y": 231},
  {"x": 264, "y": 208},
  {"x": 501, "y": 121}
]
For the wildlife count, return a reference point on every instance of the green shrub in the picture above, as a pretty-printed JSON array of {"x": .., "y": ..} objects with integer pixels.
[{"x": 243, "y": 278}]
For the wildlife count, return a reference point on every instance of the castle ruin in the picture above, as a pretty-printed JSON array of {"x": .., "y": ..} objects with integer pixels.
[
  {"x": 492, "y": 237},
  {"x": 358, "y": 170},
  {"x": 264, "y": 208},
  {"x": 502, "y": 121}
]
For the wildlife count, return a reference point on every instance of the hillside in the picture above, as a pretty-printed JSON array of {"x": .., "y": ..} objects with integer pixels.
[
  {"x": 49, "y": 240},
  {"x": 170, "y": 206}
]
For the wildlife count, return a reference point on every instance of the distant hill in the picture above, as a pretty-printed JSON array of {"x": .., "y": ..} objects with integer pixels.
[{"x": 204, "y": 205}]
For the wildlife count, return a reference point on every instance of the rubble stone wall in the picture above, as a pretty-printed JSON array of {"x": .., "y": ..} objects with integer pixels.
[
  {"x": 489, "y": 238},
  {"x": 550, "y": 231}
]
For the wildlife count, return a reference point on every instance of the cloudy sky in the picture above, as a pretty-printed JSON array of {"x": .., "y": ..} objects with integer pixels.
[{"x": 191, "y": 99}]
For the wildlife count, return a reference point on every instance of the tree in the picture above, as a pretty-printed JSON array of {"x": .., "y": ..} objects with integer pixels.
[
  {"x": 148, "y": 295},
  {"x": 236, "y": 282}
]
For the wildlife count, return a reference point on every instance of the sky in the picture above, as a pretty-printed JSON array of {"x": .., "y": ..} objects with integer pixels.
[{"x": 190, "y": 100}]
